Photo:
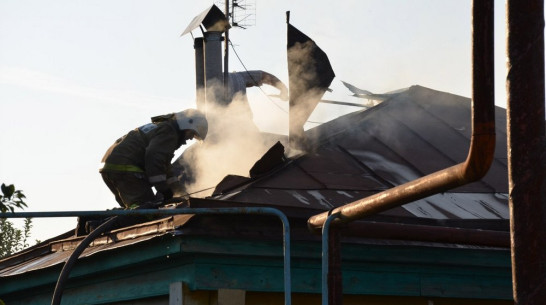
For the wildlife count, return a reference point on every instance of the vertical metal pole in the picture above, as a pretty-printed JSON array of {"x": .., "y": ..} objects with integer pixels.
[
  {"x": 226, "y": 56},
  {"x": 286, "y": 254},
  {"x": 526, "y": 149},
  {"x": 483, "y": 78},
  {"x": 327, "y": 296},
  {"x": 335, "y": 287}
]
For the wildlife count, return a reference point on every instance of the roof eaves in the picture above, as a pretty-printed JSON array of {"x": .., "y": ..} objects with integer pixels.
[{"x": 137, "y": 233}]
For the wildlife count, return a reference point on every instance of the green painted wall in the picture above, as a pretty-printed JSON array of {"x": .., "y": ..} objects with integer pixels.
[{"x": 146, "y": 269}]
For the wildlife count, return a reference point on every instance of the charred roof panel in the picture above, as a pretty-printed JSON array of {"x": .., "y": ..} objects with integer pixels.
[
  {"x": 356, "y": 156},
  {"x": 412, "y": 134},
  {"x": 336, "y": 169},
  {"x": 291, "y": 177}
]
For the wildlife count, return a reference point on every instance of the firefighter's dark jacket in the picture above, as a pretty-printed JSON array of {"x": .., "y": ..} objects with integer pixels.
[{"x": 147, "y": 149}]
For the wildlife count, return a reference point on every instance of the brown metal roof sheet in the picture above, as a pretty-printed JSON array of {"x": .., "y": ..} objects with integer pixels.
[
  {"x": 60, "y": 250},
  {"x": 412, "y": 134}
]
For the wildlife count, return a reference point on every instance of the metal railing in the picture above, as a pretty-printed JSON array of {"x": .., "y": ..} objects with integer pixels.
[
  {"x": 326, "y": 255},
  {"x": 196, "y": 211}
]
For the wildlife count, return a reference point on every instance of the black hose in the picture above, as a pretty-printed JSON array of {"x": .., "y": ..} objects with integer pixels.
[{"x": 58, "y": 293}]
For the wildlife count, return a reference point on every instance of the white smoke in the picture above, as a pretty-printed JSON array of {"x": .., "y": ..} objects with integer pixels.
[{"x": 232, "y": 146}]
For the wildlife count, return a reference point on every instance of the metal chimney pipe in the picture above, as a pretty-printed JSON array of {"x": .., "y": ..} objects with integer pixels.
[
  {"x": 527, "y": 149},
  {"x": 213, "y": 68},
  {"x": 198, "y": 46},
  {"x": 482, "y": 144}
]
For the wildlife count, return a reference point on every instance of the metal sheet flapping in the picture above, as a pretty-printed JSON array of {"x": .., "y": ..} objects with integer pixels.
[{"x": 310, "y": 74}]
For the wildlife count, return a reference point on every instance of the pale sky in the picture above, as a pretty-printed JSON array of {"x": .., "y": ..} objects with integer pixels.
[{"x": 77, "y": 74}]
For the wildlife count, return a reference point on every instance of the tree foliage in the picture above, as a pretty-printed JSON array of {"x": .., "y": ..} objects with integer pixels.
[
  {"x": 12, "y": 239},
  {"x": 11, "y": 198}
]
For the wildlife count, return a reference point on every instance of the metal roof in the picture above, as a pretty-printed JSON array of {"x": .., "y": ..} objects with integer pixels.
[
  {"x": 412, "y": 134},
  {"x": 409, "y": 135},
  {"x": 58, "y": 251}
]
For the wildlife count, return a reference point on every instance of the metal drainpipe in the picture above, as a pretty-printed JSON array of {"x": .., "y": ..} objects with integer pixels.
[
  {"x": 199, "y": 73},
  {"x": 332, "y": 286},
  {"x": 527, "y": 149},
  {"x": 482, "y": 144}
]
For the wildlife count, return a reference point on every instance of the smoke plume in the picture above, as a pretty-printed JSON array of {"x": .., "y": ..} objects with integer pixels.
[{"x": 232, "y": 146}]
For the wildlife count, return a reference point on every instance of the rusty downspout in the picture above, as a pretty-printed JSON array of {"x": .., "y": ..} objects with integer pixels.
[
  {"x": 482, "y": 144},
  {"x": 527, "y": 153}
]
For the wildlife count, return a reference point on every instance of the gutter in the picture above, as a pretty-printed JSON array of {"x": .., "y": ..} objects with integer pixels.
[{"x": 482, "y": 144}]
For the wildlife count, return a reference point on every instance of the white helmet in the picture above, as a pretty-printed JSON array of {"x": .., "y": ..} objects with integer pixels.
[{"x": 194, "y": 120}]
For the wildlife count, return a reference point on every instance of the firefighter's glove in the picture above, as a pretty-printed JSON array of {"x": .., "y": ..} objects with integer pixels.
[{"x": 165, "y": 190}]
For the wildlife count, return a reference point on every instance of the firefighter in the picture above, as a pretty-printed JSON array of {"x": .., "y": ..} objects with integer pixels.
[
  {"x": 233, "y": 121},
  {"x": 142, "y": 158}
]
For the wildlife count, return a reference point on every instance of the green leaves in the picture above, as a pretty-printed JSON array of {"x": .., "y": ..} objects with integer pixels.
[
  {"x": 12, "y": 239},
  {"x": 11, "y": 198},
  {"x": 8, "y": 190}
]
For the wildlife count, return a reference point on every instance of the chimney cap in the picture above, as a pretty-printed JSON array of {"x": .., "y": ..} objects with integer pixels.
[{"x": 213, "y": 19}]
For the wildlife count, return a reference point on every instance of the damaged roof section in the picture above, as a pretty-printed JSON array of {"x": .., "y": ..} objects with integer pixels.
[{"x": 411, "y": 134}]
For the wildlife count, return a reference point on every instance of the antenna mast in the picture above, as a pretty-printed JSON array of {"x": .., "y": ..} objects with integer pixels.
[
  {"x": 241, "y": 14},
  {"x": 226, "y": 52}
]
